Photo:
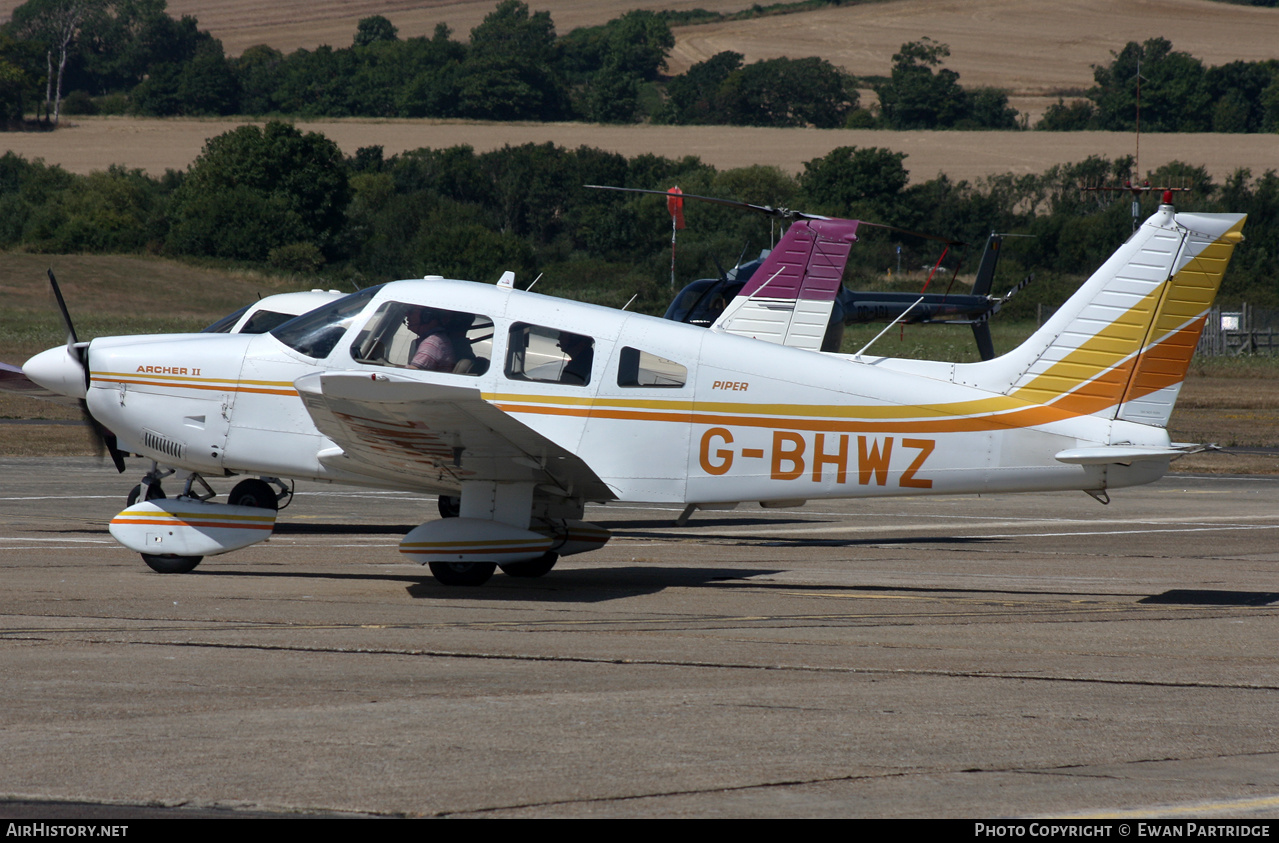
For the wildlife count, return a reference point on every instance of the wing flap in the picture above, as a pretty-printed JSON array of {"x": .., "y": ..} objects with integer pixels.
[{"x": 435, "y": 436}]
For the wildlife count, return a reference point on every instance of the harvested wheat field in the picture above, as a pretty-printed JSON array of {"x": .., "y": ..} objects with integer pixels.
[
  {"x": 1034, "y": 50},
  {"x": 289, "y": 25},
  {"x": 85, "y": 144}
]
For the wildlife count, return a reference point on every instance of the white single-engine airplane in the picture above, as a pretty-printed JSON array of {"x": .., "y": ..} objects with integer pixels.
[{"x": 528, "y": 407}]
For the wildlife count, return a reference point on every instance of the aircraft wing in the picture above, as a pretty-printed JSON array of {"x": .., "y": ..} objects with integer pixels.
[{"x": 435, "y": 436}]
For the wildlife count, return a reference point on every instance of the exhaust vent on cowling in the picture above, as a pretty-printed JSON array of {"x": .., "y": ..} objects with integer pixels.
[{"x": 159, "y": 442}]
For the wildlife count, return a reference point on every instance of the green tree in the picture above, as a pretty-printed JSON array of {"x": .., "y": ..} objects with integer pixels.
[
  {"x": 787, "y": 92},
  {"x": 56, "y": 24},
  {"x": 258, "y": 71},
  {"x": 1174, "y": 91},
  {"x": 255, "y": 189},
  {"x": 1061, "y": 117},
  {"x": 509, "y": 72},
  {"x": 608, "y": 64},
  {"x": 852, "y": 179},
  {"x": 207, "y": 84},
  {"x": 374, "y": 29},
  {"x": 988, "y": 108},
  {"x": 918, "y": 95},
  {"x": 1270, "y": 107},
  {"x": 638, "y": 43},
  {"x": 611, "y": 96},
  {"x": 13, "y": 86},
  {"x": 121, "y": 44},
  {"x": 1237, "y": 91},
  {"x": 693, "y": 96}
]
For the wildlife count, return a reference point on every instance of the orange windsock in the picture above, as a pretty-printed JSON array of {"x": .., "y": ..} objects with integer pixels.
[{"x": 675, "y": 205}]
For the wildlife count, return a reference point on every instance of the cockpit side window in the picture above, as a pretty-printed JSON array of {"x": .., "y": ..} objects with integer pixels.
[
  {"x": 316, "y": 333},
  {"x": 549, "y": 355},
  {"x": 411, "y": 336}
]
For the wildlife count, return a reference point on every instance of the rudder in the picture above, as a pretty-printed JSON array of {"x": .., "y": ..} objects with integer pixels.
[{"x": 1121, "y": 345}]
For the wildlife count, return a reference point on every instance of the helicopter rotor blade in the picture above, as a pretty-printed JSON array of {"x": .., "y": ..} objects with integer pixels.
[{"x": 767, "y": 210}]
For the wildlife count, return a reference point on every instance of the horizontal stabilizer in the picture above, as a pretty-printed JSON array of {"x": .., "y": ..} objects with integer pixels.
[{"x": 1122, "y": 454}]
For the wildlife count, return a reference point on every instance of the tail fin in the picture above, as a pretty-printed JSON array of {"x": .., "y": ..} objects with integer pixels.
[
  {"x": 1121, "y": 345},
  {"x": 981, "y": 287},
  {"x": 790, "y": 297}
]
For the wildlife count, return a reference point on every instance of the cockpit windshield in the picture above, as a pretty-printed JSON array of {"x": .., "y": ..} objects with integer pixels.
[
  {"x": 316, "y": 333},
  {"x": 226, "y": 323}
]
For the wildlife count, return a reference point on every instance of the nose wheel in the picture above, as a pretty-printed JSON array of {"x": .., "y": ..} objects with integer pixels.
[
  {"x": 462, "y": 573},
  {"x": 256, "y": 493},
  {"x": 154, "y": 493},
  {"x": 169, "y": 564},
  {"x": 539, "y": 567}
]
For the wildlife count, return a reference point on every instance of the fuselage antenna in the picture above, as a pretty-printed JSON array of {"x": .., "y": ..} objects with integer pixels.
[{"x": 858, "y": 355}]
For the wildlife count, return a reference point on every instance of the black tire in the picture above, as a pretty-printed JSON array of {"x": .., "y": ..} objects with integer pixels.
[
  {"x": 169, "y": 564},
  {"x": 256, "y": 493},
  {"x": 450, "y": 506},
  {"x": 462, "y": 573},
  {"x": 539, "y": 567},
  {"x": 154, "y": 493}
]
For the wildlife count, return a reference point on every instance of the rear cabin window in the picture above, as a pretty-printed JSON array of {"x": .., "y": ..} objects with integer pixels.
[
  {"x": 433, "y": 339},
  {"x": 549, "y": 355},
  {"x": 640, "y": 368}
]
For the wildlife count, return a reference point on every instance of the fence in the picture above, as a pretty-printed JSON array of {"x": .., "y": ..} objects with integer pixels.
[{"x": 1249, "y": 330}]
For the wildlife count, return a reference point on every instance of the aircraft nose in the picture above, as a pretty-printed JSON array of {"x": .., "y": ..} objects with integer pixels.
[{"x": 57, "y": 370}]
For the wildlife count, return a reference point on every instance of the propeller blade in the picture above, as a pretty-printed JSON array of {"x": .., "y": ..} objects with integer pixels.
[
  {"x": 72, "y": 339},
  {"x": 77, "y": 350},
  {"x": 103, "y": 439}
]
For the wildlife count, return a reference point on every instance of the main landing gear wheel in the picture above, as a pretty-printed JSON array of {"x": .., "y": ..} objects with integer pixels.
[
  {"x": 154, "y": 493},
  {"x": 257, "y": 493},
  {"x": 450, "y": 506},
  {"x": 539, "y": 567},
  {"x": 462, "y": 573},
  {"x": 170, "y": 564}
]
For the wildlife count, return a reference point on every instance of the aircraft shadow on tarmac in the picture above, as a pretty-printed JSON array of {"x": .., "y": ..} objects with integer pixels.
[
  {"x": 1207, "y": 597},
  {"x": 662, "y": 530},
  {"x": 568, "y": 584}
]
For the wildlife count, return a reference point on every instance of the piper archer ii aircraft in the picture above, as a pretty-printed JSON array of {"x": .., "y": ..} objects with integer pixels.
[{"x": 528, "y": 407}]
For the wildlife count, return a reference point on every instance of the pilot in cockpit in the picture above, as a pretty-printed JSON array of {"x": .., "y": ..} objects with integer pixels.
[{"x": 433, "y": 350}]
